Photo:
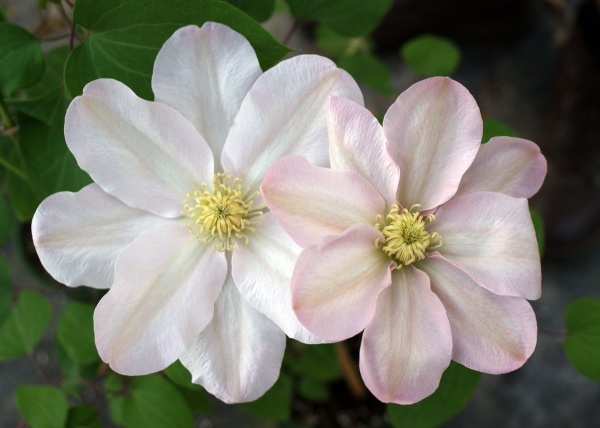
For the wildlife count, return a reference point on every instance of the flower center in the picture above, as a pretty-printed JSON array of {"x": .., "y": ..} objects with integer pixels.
[
  {"x": 406, "y": 239},
  {"x": 221, "y": 212}
]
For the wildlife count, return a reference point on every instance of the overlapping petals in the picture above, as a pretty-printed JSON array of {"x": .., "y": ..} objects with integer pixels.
[
  {"x": 216, "y": 119},
  {"x": 462, "y": 294}
]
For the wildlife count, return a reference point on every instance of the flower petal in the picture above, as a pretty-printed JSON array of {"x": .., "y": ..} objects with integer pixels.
[
  {"x": 336, "y": 282},
  {"x": 78, "y": 236},
  {"x": 356, "y": 142},
  {"x": 491, "y": 236},
  {"x": 262, "y": 270},
  {"x": 311, "y": 202},
  {"x": 142, "y": 152},
  {"x": 508, "y": 165},
  {"x": 491, "y": 333},
  {"x": 284, "y": 114},
  {"x": 205, "y": 73},
  {"x": 434, "y": 131},
  {"x": 165, "y": 286},
  {"x": 237, "y": 357},
  {"x": 408, "y": 344}
]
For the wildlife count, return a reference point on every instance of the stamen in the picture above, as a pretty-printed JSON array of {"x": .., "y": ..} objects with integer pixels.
[
  {"x": 223, "y": 212},
  {"x": 406, "y": 239}
]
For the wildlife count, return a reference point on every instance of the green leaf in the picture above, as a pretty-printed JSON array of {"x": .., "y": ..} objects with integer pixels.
[
  {"x": 261, "y": 10},
  {"x": 42, "y": 406},
  {"x": 83, "y": 416},
  {"x": 582, "y": 344},
  {"x": 6, "y": 289},
  {"x": 75, "y": 332},
  {"x": 313, "y": 390},
  {"x": 126, "y": 35},
  {"x": 319, "y": 362},
  {"x": 7, "y": 222},
  {"x": 276, "y": 403},
  {"x": 21, "y": 59},
  {"x": 369, "y": 70},
  {"x": 331, "y": 42},
  {"x": 25, "y": 325},
  {"x": 496, "y": 128},
  {"x": 154, "y": 402},
  {"x": 197, "y": 400},
  {"x": 347, "y": 17},
  {"x": 180, "y": 375},
  {"x": 430, "y": 55},
  {"x": 540, "y": 230},
  {"x": 456, "y": 387}
]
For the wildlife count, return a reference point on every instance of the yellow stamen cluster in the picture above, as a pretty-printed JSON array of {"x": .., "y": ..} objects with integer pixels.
[
  {"x": 406, "y": 239},
  {"x": 221, "y": 212}
]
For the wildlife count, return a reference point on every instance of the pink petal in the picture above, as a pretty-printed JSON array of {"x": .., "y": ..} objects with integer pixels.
[
  {"x": 336, "y": 282},
  {"x": 508, "y": 165},
  {"x": 284, "y": 114},
  {"x": 408, "y": 344},
  {"x": 491, "y": 236},
  {"x": 78, "y": 236},
  {"x": 262, "y": 270},
  {"x": 237, "y": 357},
  {"x": 142, "y": 152},
  {"x": 434, "y": 131},
  {"x": 491, "y": 333},
  {"x": 165, "y": 286},
  {"x": 356, "y": 142},
  {"x": 205, "y": 73},
  {"x": 311, "y": 202}
]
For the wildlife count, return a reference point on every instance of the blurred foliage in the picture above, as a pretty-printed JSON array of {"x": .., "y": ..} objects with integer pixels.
[
  {"x": 430, "y": 55},
  {"x": 582, "y": 344},
  {"x": 21, "y": 59},
  {"x": 260, "y": 10},
  {"x": 496, "y": 128},
  {"x": 43, "y": 406}
]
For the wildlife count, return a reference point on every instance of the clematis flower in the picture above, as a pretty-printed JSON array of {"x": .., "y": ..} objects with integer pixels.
[
  {"x": 198, "y": 270},
  {"x": 418, "y": 235}
]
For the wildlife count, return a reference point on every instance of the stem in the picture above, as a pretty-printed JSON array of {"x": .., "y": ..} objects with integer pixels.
[
  {"x": 350, "y": 371},
  {"x": 72, "y": 38},
  {"x": 290, "y": 33},
  {"x": 7, "y": 121}
]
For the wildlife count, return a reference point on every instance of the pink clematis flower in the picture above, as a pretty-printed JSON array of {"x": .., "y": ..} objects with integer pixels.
[
  {"x": 418, "y": 235},
  {"x": 175, "y": 225}
]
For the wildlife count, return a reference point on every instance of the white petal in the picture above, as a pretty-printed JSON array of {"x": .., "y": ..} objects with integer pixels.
[
  {"x": 356, "y": 142},
  {"x": 237, "y": 357},
  {"x": 434, "y": 131},
  {"x": 78, "y": 236},
  {"x": 491, "y": 236},
  {"x": 262, "y": 271},
  {"x": 165, "y": 286},
  {"x": 205, "y": 73},
  {"x": 508, "y": 165},
  {"x": 491, "y": 333},
  {"x": 408, "y": 344},
  {"x": 311, "y": 202},
  {"x": 284, "y": 114},
  {"x": 144, "y": 153}
]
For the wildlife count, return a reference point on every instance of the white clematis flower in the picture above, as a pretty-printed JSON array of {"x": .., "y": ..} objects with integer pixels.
[{"x": 198, "y": 270}]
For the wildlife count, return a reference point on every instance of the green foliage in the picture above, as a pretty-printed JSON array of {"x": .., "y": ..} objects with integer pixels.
[
  {"x": 21, "y": 59},
  {"x": 83, "y": 415},
  {"x": 276, "y": 403},
  {"x": 5, "y": 289},
  {"x": 456, "y": 387},
  {"x": 122, "y": 42},
  {"x": 152, "y": 402},
  {"x": 582, "y": 344},
  {"x": 179, "y": 375},
  {"x": 6, "y": 219},
  {"x": 347, "y": 17},
  {"x": 496, "y": 128},
  {"x": 313, "y": 390},
  {"x": 261, "y": 10},
  {"x": 25, "y": 325},
  {"x": 42, "y": 406},
  {"x": 370, "y": 70},
  {"x": 540, "y": 230},
  {"x": 430, "y": 55},
  {"x": 75, "y": 332},
  {"x": 318, "y": 362}
]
